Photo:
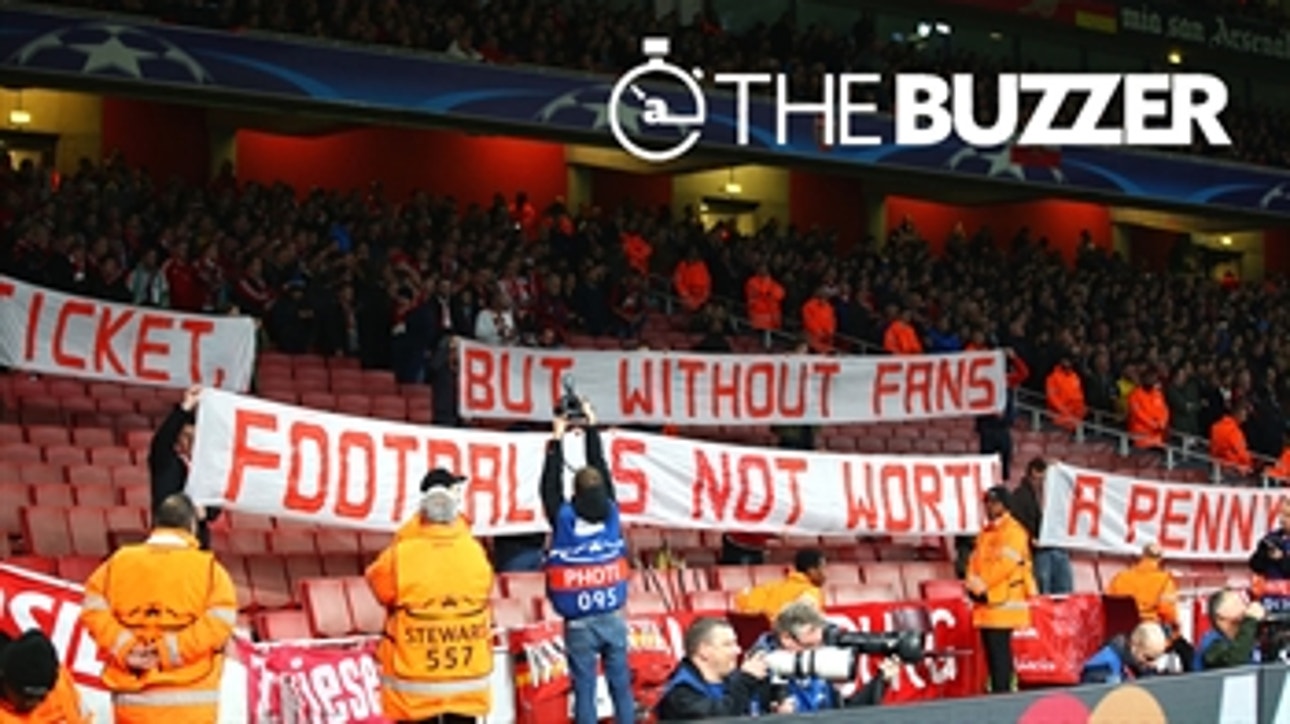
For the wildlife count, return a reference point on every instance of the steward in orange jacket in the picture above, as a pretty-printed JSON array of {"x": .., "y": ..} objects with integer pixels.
[
  {"x": 1148, "y": 422},
  {"x": 901, "y": 338},
  {"x": 436, "y": 657},
  {"x": 819, "y": 321},
  {"x": 693, "y": 282},
  {"x": 638, "y": 251},
  {"x": 161, "y": 612},
  {"x": 999, "y": 582},
  {"x": 1150, "y": 586},
  {"x": 1065, "y": 394},
  {"x": 804, "y": 583},
  {"x": 765, "y": 299},
  {"x": 34, "y": 686},
  {"x": 1281, "y": 470},
  {"x": 1227, "y": 441}
]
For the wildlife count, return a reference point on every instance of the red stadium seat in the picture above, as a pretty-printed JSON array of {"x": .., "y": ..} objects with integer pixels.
[
  {"x": 732, "y": 578},
  {"x": 268, "y": 578},
  {"x": 343, "y": 566},
  {"x": 90, "y": 475},
  {"x": 127, "y": 519},
  {"x": 885, "y": 574},
  {"x": 95, "y": 495},
  {"x": 136, "y": 495},
  {"x": 77, "y": 569},
  {"x": 709, "y": 601},
  {"x": 46, "y": 531},
  {"x": 337, "y": 542},
  {"x": 48, "y": 435},
  {"x": 105, "y": 390},
  {"x": 89, "y": 531},
  {"x": 240, "y": 542},
  {"x": 509, "y": 613},
  {"x": 65, "y": 455},
  {"x": 93, "y": 437},
  {"x": 847, "y": 594},
  {"x": 294, "y": 542},
  {"x": 373, "y": 543},
  {"x": 942, "y": 589},
  {"x": 57, "y": 495},
  {"x": 842, "y": 573},
  {"x": 282, "y": 626},
  {"x": 111, "y": 456},
  {"x": 327, "y": 607},
  {"x": 367, "y": 612},
  {"x": 36, "y": 564},
  {"x": 646, "y": 604},
  {"x": 126, "y": 475},
  {"x": 11, "y": 434},
  {"x": 20, "y": 453},
  {"x": 768, "y": 573},
  {"x": 301, "y": 568},
  {"x": 1084, "y": 572},
  {"x": 236, "y": 567},
  {"x": 15, "y": 496},
  {"x": 42, "y": 474},
  {"x": 139, "y": 439}
]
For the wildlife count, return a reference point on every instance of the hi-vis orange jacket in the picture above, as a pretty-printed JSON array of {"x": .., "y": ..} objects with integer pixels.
[
  {"x": 1152, "y": 588},
  {"x": 437, "y": 653},
  {"x": 770, "y": 598},
  {"x": 1148, "y": 422},
  {"x": 820, "y": 323},
  {"x": 1065, "y": 394},
  {"x": 1227, "y": 444},
  {"x": 765, "y": 298},
  {"x": 62, "y": 706},
  {"x": 1001, "y": 560},
  {"x": 167, "y": 594}
]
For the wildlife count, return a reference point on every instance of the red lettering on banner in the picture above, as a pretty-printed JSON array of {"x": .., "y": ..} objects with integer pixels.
[
  {"x": 1174, "y": 518},
  {"x": 1144, "y": 502},
  {"x": 1210, "y": 523},
  {"x": 793, "y": 466},
  {"x": 826, "y": 370},
  {"x": 719, "y": 390},
  {"x": 555, "y": 368},
  {"x": 442, "y": 454},
  {"x": 403, "y": 446},
  {"x": 71, "y": 308},
  {"x": 146, "y": 347},
  {"x": 295, "y": 499},
  {"x": 515, "y": 513},
  {"x": 7, "y": 290},
  {"x": 632, "y": 398},
  {"x": 766, "y": 407},
  {"x": 627, "y": 476},
  {"x": 524, "y": 405},
  {"x": 961, "y": 474},
  {"x": 477, "y": 378},
  {"x": 346, "y": 508},
  {"x": 751, "y": 466},
  {"x": 1086, "y": 499},
  {"x": 718, "y": 491},
  {"x": 927, "y": 486},
  {"x": 896, "y": 523},
  {"x": 928, "y": 386},
  {"x": 786, "y": 408},
  {"x": 33, "y": 322},
  {"x": 244, "y": 456},
  {"x": 720, "y": 487},
  {"x": 29, "y": 604},
  {"x": 198, "y": 328},
  {"x": 1241, "y": 524},
  {"x": 690, "y": 368},
  {"x": 493, "y": 473},
  {"x": 107, "y": 329}
]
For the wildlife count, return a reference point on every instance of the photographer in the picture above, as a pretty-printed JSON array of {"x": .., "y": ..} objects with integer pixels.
[
  {"x": 801, "y": 628},
  {"x": 706, "y": 684},
  {"x": 1271, "y": 560},
  {"x": 586, "y": 566}
]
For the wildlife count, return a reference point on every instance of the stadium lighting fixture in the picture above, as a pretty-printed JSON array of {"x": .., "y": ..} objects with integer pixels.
[
  {"x": 1175, "y": 57},
  {"x": 995, "y": 35},
  {"x": 732, "y": 187},
  {"x": 924, "y": 30},
  {"x": 19, "y": 117},
  {"x": 1225, "y": 240},
  {"x": 943, "y": 28}
]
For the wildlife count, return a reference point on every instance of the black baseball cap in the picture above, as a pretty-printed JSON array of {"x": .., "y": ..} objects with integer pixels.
[
  {"x": 997, "y": 494},
  {"x": 440, "y": 478}
]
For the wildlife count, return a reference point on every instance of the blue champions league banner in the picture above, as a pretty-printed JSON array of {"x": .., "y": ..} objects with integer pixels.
[{"x": 42, "y": 43}]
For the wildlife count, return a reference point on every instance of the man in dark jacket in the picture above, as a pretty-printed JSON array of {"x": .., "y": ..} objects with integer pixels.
[
  {"x": 168, "y": 460},
  {"x": 707, "y": 685},
  {"x": 1127, "y": 658},
  {"x": 1053, "y": 573},
  {"x": 1272, "y": 558}
]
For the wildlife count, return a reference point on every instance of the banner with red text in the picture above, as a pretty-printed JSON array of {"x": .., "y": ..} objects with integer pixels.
[
  {"x": 45, "y": 331},
  {"x": 655, "y": 645},
  {"x": 313, "y": 683},
  {"x": 690, "y": 388},
  {"x": 1096, "y": 511},
  {"x": 264, "y": 457}
]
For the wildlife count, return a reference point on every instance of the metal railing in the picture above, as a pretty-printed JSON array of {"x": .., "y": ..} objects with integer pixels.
[{"x": 1181, "y": 450}]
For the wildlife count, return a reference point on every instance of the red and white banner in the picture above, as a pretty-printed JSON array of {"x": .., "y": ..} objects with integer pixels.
[
  {"x": 1095, "y": 511},
  {"x": 1064, "y": 633},
  {"x": 263, "y": 457},
  {"x": 688, "y": 388},
  {"x": 299, "y": 683},
  {"x": 45, "y": 331}
]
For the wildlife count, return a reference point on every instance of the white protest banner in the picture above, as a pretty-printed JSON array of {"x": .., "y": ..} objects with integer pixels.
[
  {"x": 42, "y": 330},
  {"x": 1095, "y": 511},
  {"x": 264, "y": 457},
  {"x": 689, "y": 388}
]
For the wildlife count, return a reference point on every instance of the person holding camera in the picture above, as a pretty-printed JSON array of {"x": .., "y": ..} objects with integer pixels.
[
  {"x": 709, "y": 683},
  {"x": 586, "y": 567},
  {"x": 803, "y": 684}
]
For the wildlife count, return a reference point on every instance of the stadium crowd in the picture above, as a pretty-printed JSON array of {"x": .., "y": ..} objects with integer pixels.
[
  {"x": 347, "y": 274},
  {"x": 605, "y": 39}
]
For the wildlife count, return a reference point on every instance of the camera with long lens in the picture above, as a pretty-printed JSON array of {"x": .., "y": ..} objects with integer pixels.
[
  {"x": 570, "y": 405},
  {"x": 838, "y": 660}
]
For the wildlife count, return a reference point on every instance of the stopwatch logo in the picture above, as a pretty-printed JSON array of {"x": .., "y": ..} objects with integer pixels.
[{"x": 656, "y": 113}]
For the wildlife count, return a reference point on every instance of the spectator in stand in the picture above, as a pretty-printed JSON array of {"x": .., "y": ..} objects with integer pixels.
[
  {"x": 1065, "y": 394},
  {"x": 819, "y": 321},
  {"x": 942, "y": 338},
  {"x": 148, "y": 284},
  {"x": 744, "y": 549},
  {"x": 1183, "y": 398},
  {"x": 804, "y": 583},
  {"x": 994, "y": 432},
  {"x": 164, "y": 611},
  {"x": 1271, "y": 559},
  {"x": 292, "y": 320},
  {"x": 999, "y": 583},
  {"x": 693, "y": 281},
  {"x": 169, "y": 458},
  {"x": 434, "y": 581},
  {"x": 1148, "y": 413},
  {"x": 1227, "y": 441},
  {"x": 443, "y": 385},
  {"x": 1280, "y": 470},
  {"x": 1124, "y": 660},
  {"x": 901, "y": 338},
  {"x": 1155, "y": 592},
  {"x": 1052, "y": 566},
  {"x": 1101, "y": 387},
  {"x": 630, "y": 307},
  {"x": 496, "y": 324},
  {"x": 34, "y": 686},
  {"x": 1233, "y": 635},
  {"x": 764, "y": 298},
  {"x": 707, "y": 685}
]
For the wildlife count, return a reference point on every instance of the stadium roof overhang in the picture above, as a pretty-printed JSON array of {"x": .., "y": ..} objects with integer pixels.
[{"x": 304, "y": 118}]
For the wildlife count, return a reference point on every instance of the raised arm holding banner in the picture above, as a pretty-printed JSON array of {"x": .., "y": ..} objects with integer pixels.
[
  {"x": 264, "y": 457},
  {"x": 50, "y": 332},
  {"x": 688, "y": 388}
]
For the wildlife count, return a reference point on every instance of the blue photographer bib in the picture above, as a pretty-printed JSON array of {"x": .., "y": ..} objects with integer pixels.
[{"x": 586, "y": 567}]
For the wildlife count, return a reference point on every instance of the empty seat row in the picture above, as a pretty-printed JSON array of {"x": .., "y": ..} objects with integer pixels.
[
  {"x": 104, "y": 474},
  {"x": 65, "y": 454}
]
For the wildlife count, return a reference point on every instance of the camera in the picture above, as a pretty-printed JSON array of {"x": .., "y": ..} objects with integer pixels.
[
  {"x": 570, "y": 405},
  {"x": 838, "y": 660}
]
